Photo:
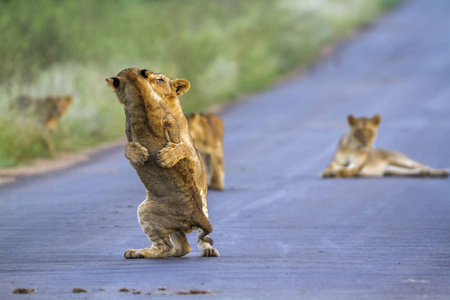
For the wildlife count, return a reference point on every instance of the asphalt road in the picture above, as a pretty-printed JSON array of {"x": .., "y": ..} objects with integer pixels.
[{"x": 281, "y": 230}]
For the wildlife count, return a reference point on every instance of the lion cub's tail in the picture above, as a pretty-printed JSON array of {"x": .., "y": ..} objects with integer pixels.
[
  {"x": 206, "y": 228},
  {"x": 204, "y": 237}
]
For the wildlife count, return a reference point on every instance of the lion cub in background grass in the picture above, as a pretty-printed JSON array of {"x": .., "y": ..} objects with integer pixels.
[
  {"x": 356, "y": 157},
  {"x": 48, "y": 111},
  {"x": 207, "y": 131}
]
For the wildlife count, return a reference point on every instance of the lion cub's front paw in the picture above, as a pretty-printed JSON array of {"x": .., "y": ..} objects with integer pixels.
[
  {"x": 209, "y": 252},
  {"x": 136, "y": 153},
  {"x": 133, "y": 253},
  {"x": 328, "y": 174},
  {"x": 167, "y": 156}
]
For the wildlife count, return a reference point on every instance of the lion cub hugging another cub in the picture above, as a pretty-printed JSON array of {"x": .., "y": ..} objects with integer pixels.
[
  {"x": 356, "y": 157},
  {"x": 163, "y": 154}
]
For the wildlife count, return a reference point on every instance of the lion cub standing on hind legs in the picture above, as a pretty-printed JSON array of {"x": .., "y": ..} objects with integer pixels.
[
  {"x": 163, "y": 154},
  {"x": 356, "y": 157}
]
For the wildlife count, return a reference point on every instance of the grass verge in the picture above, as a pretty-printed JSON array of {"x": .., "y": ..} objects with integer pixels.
[{"x": 224, "y": 48}]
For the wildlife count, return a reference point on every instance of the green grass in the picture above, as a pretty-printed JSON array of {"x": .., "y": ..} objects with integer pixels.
[{"x": 224, "y": 48}]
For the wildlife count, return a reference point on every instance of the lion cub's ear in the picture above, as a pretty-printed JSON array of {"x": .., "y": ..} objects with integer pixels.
[
  {"x": 351, "y": 120},
  {"x": 180, "y": 86},
  {"x": 145, "y": 73},
  {"x": 376, "y": 120},
  {"x": 195, "y": 117},
  {"x": 114, "y": 82}
]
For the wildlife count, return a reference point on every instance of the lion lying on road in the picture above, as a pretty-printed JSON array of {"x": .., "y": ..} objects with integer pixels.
[
  {"x": 356, "y": 157},
  {"x": 170, "y": 167},
  {"x": 207, "y": 131}
]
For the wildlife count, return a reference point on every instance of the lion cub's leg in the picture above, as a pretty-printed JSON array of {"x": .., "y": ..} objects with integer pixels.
[
  {"x": 162, "y": 246},
  {"x": 339, "y": 163},
  {"x": 180, "y": 243},
  {"x": 335, "y": 170},
  {"x": 332, "y": 170},
  {"x": 350, "y": 171},
  {"x": 217, "y": 170},
  {"x": 402, "y": 165},
  {"x": 437, "y": 172},
  {"x": 136, "y": 153},
  {"x": 401, "y": 160},
  {"x": 207, "y": 160},
  {"x": 50, "y": 124},
  {"x": 401, "y": 171},
  {"x": 47, "y": 143},
  {"x": 171, "y": 154},
  {"x": 205, "y": 245}
]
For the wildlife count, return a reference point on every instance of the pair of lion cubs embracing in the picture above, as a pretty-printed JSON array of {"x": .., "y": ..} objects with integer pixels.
[{"x": 161, "y": 149}]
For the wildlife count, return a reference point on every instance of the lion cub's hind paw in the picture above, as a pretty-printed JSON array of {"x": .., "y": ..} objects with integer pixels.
[
  {"x": 437, "y": 173},
  {"x": 132, "y": 253},
  {"x": 210, "y": 252},
  {"x": 216, "y": 187}
]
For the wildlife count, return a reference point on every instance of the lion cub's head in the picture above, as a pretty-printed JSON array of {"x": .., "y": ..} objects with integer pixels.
[
  {"x": 59, "y": 105},
  {"x": 134, "y": 83},
  {"x": 165, "y": 87},
  {"x": 56, "y": 108},
  {"x": 363, "y": 130}
]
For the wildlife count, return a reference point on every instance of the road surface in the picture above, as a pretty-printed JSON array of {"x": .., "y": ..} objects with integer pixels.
[{"x": 281, "y": 230}]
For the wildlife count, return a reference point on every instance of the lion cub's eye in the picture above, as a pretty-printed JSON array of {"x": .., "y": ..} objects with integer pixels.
[{"x": 160, "y": 79}]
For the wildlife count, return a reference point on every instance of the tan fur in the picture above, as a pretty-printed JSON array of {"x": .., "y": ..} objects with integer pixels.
[
  {"x": 48, "y": 110},
  {"x": 164, "y": 156},
  {"x": 356, "y": 157},
  {"x": 207, "y": 132}
]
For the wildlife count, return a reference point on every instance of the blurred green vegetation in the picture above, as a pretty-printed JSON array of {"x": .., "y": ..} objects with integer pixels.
[{"x": 224, "y": 48}]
